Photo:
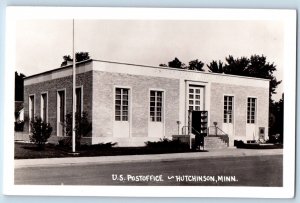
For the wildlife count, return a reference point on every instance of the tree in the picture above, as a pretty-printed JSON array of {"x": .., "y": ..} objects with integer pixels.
[
  {"x": 19, "y": 86},
  {"x": 196, "y": 65},
  {"x": 255, "y": 66},
  {"x": 163, "y": 65},
  {"x": 260, "y": 68},
  {"x": 276, "y": 121},
  {"x": 238, "y": 66},
  {"x": 176, "y": 63},
  {"x": 67, "y": 58},
  {"x": 79, "y": 56},
  {"x": 193, "y": 65},
  {"x": 216, "y": 67},
  {"x": 82, "y": 56}
]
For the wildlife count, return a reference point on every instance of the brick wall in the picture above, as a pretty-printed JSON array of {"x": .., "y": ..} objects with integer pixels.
[
  {"x": 103, "y": 102},
  {"x": 51, "y": 86},
  {"x": 240, "y": 94},
  {"x": 98, "y": 101}
]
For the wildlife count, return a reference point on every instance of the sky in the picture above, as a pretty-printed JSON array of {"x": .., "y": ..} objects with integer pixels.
[{"x": 41, "y": 44}]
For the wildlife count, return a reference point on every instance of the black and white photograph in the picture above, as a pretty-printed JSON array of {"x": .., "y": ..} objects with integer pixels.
[{"x": 151, "y": 102}]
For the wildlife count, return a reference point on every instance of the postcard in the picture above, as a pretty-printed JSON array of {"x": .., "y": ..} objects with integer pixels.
[{"x": 150, "y": 102}]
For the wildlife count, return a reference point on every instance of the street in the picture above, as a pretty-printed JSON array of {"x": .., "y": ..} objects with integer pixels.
[{"x": 229, "y": 171}]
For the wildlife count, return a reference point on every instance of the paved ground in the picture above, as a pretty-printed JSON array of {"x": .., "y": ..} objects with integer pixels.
[
  {"x": 231, "y": 167},
  {"x": 226, "y": 171},
  {"x": 230, "y": 152}
]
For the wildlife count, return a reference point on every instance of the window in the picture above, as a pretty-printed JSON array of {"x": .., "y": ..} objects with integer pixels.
[
  {"x": 61, "y": 106},
  {"x": 251, "y": 110},
  {"x": 78, "y": 99},
  {"x": 194, "y": 98},
  {"x": 31, "y": 107},
  {"x": 228, "y": 109},
  {"x": 121, "y": 104},
  {"x": 44, "y": 107},
  {"x": 156, "y": 105},
  {"x": 61, "y": 109}
]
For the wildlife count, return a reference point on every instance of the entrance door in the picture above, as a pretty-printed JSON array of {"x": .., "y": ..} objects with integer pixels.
[
  {"x": 61, "y": 109},
  {"x": 195, "y": 104},
  {"x": 228, "y": 115},
  {"x": 196, "y": 122}
]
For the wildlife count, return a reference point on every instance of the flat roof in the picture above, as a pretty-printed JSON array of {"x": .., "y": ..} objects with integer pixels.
[
  {"x": 57, "y": 69},
  {"x": 180, "y": 69},
  {"x": 139, "y": 65}
]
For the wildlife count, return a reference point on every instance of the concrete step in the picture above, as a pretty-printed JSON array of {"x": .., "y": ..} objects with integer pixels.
[
  {"x": 214, "y": 147},
  {"x": 214, "y": 143}
]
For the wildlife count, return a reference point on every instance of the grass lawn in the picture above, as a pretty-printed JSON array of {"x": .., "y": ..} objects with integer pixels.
[
  {"x": 261, "y": 146},
  {"x": 31, "y": 151}
]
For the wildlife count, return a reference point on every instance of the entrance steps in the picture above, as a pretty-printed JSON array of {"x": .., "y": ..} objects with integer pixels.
[
  {"x": 210, "y": 142},
  {"x": 214, "y": 142}
]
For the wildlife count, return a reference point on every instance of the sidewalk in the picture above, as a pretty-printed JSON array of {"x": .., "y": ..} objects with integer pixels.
[{"x": 230, "y": 152}]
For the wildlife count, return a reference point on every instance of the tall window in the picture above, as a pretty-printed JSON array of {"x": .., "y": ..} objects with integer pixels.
[
  {"x": 251, "y": 110},
  {"x": 156, "y": 104},
  {"x": 44, "y": 107},
  {"x": 121, "y": 104},
  {"x": 31, "y": 107},
  {"x": 194, "y": 98},
  {"x": 228, "y": 109},
  {"x": 61, "y": 106},
  {"x": 78, "y": 99}
]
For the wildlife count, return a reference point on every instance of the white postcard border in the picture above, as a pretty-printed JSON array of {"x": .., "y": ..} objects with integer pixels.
[{"x": 288, "y": 17}]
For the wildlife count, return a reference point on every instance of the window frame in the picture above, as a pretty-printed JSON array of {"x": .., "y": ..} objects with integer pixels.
[
  {"x": 47, "y": 106},
  {"x": 232, "y": 109},
  {"x": 65, "y": 109},
  {"x": 31, "y": 117},
  {"x": 34, "y": 107},
  {"x": 162, "y": 116},
  {"x": 249, "y": 113},
  {"x": 121, "y": 109},
  {"x": 81, "y": 99},
  {"x": 194, "y": 105}
]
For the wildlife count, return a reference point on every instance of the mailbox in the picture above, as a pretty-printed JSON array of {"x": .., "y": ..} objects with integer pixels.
[{"x": 261, "y": 131}]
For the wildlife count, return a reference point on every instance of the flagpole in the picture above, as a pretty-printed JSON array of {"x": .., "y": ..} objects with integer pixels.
[{"x": 74, "y": 96}]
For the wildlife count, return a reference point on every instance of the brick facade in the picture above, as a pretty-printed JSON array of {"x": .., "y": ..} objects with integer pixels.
[
  {"x": 99, "y": 80},
  {"x": 240, "y": 94},
  {"x": 52, "y": 86},
  {"x": 103, "y": 102}
]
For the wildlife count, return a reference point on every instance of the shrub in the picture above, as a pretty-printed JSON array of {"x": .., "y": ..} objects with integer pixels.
[
  {"x": 239, "y": 143},
  {"x": 19, "y": 126},
  {"x": 107, "y": 145},
  {"x": 40, "y": 131},
  {"x": 82, "y": 127},
  {"x": 166, "y": 143},
  {"x": 99, "y": 146},
  {"x": 65, "y": 142},
  {"x": 274, "y": 139}
]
